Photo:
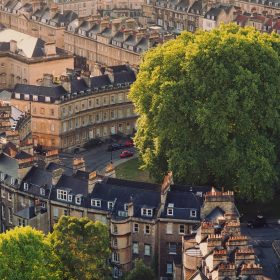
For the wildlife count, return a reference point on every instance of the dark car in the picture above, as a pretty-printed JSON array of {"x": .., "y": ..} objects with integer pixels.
[
  {"x": 125, "y": 154},
  {"x": 114, "y": 147},
  {"x": 260, "y": 221}
]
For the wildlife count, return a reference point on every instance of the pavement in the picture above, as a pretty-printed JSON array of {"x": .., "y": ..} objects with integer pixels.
[
  {"x": 96, "y": 158},
  {"x": 261, "y": 239}
]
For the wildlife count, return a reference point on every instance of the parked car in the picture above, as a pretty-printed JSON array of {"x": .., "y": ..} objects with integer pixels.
[
  {"x": 260, "y": 221},
  {"x": 114, "y": 147},
  {"x": 93, "y": 143},
  {"x": 129, "y": 143},
  {"x": 125, "y": 154}
]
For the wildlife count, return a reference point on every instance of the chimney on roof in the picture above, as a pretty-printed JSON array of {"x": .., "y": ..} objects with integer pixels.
[
  {"x": 85, "y": 75},
  {"x": 47, "y": 80},
  {"x": 104, "y": 24},
  {"x": 65, "y": 82},
  {"x": 13, "y": 46},
  {"x": 50, "y": 49},
  {"x": 116, "y": 25},
  {"x": 56, "y": 174},
  {"x": 110, "y": 171},
  {"x": 92, "y": 178},
  {"x": 130, "y": 209},
  {"x": 78, "y": 164},
  {"x": 53, "y": 10},
  {"x": 130, "y": 23}
]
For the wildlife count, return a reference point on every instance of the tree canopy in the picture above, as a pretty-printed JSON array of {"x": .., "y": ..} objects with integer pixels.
[
  {"x": 209, "y": 109},
  {"x": 25, "y": 255},
  {"x": 82, "y": 248},
  {"x": 140, "y": 272}
]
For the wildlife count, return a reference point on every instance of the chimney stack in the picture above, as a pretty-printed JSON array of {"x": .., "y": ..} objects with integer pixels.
[
  {"x": 13, "y": 46},
  {"x": 50, "y": 49},
  {"x": 78, "y": 164}
]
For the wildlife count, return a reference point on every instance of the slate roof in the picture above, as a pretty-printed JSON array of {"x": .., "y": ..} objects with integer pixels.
[
  {"x": 183, "y": 203},
  {"x": 37, "y": 178},
  {"x": 8, "y": 166},
  {"x": 78, "y": 85},
  {"x": 124, "y": 77},
  {"x": 122, "y": 192},
  {"x": 100, "y": 81},
  {"x": 53, "y": 92},
  {"x": 26, "y": 213}
]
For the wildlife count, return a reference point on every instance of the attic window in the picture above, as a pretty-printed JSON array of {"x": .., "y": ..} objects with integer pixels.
[
  {"x": 2, "y": 176},
  {"x": 110, "y": 205},
  {"x": 26, "y": 97},
  {"x": 146, "y": 212},
  {"x": 35, "y": 97},
  {"x": 17, "y": 96},
  {"x": 169, "y": 211},
  {"x": 12, "y": 181},
  {"x": 62, "y": 195},
  {"x": 78, "y": 200},
  {"x": 96, "y": 203},
  {"x": 125, "y": 207},
  {"x": 193, "y": 213},
  {"x": 47, "y": 99},
  {"x": 42, "y": 191},
  {"x": 70, "y": 197},
  {"x": 25, "y": 186}
]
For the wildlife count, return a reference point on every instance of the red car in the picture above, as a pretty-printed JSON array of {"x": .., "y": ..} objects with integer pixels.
[
  {"x": 129, "y": 143},
  {"x": 125, "y": 154}
]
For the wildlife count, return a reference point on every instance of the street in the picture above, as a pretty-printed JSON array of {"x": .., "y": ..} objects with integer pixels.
[
  {"x": 96, "y": 158},
  {"x": 261, "y": 239}
]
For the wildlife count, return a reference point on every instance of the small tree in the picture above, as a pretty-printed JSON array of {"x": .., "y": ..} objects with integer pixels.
[
  {"x": 25, "y": 255},
  {"x": 140, "y": 272},
  {"x": 82, "y": 248}
]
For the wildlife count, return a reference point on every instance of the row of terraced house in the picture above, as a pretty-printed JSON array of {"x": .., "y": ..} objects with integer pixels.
[{"x": 154, "y": 222}]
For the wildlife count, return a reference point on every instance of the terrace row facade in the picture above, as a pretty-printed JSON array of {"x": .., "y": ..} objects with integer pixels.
[{"x": 69, "y": 114}]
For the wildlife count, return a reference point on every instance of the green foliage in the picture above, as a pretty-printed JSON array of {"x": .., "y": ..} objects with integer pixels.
[
  {"x": 82, "y": 248},
  {"x": 209, "y": 110},
  {"x": 140, "y": 272},
  {"x": 25, "y": 255}
]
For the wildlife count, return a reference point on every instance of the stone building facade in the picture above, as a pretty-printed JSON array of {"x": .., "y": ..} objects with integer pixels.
[
  {"x": 24, "y": 59},
  {"x": 39, "y": 194},
  {"x": 69, "y": 115}
]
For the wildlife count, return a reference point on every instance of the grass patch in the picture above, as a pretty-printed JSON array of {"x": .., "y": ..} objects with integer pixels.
[
  {"x": 270, "y": 210},
  {"x": 129, "y": 170}
]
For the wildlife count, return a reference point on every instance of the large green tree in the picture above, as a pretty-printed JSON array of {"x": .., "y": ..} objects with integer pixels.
[
  {"x": 25, "y": 255},
  {"x": 82, "y": 248},
  {"x": 209, "y": 109},
  {"x": 140, "y": 272}
]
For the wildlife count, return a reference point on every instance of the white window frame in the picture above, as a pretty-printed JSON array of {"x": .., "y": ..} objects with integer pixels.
[
  {"x": 55, "y": 212},
  {"x": 62, "y": 195},
  {"x": 170, "y": 212},
  {"x": 96, "y": 203},
  {"x": 147, "y": 249},
  {"x": 115, "y": 242},
  {"x": 147, "y": 229},
  {"x": 110, "y": 205},
  {"x": 115, "y": 257},
  {"x": 10, "y": 215},
  {"x": 42, "y": 191},
  {"x": 125, "y": 207},
  {"x": 10, "y": 196},
  {"x": 135, "y": 248},
  {"x": 78, "y": 200},
  {"x": 169, "y": 268},
  {"x": 12, "y": 181},
  {"x": 171, "y": 252},
  {"x": 70, "y": 197},
  {"x": 147, "y": 212},
  {"x": 43, "y": 205},
  {"x": 183, "y": 226},
  {"x": 2, "y": 176},
  {"x": 193, "y": 213},
  {"x": 3, "y": 193},
  {"x": 25, "y": 186},
  {"x": 135, "y": 227}
]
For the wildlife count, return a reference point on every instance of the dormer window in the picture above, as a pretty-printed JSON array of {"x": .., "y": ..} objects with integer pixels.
[
  {"x": 42, "y": 191},
  {"x": 125, "y": 207},
  {"x": 146, "y": 212},
  {"x": 35, "y": 97},
  {"x": 2, "y": 176},
  {"x": 62, "y": 195},
  {"x": 25, "y": 186},
  {"x": 193, "y": 213},
  {"x": 70, "y": 197},
  {"x": 96, "y": 203},
  {"x": 26, "y": 97},
  {"x": 110, "y": 205},
  {"x": 169, "y": 211},
  {"x": 78, "y": 200},
  {"x": 47, "y": 99}
]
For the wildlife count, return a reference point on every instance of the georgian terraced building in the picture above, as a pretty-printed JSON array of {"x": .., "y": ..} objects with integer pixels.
[
  {"x": 156, "y": 223},
  {"x": 79, "y": 109},
  {"x": 145, "y": 220}
]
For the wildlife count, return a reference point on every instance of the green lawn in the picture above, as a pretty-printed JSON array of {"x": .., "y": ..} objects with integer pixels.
[{"x": 129, "y": 170}]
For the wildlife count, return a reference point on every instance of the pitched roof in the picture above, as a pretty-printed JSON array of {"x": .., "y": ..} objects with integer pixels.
[
  {"x": 8, "y": 165},
  {"x": 26, "y": 213}
]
